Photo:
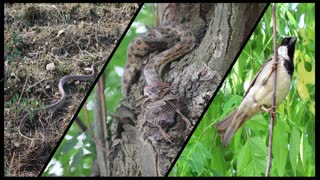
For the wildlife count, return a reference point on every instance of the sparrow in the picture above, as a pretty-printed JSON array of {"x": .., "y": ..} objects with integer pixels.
[{"x": 258, "y": 97}]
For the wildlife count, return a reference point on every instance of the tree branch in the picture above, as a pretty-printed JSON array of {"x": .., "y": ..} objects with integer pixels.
[
  {"x": 273, "y": 111},
  {"x": 99, "y": 121}
]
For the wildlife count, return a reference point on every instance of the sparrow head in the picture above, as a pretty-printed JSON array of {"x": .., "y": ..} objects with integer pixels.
[{"x": 288, "y": 44}]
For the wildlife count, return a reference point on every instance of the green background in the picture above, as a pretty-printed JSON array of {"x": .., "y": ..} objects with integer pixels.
[{"x": 294, "y": 131}]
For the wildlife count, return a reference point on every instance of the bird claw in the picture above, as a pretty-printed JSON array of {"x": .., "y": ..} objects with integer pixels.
[
  {"x": 270, "y": 110},
  {"x": 274, "y": 65},
  {"x": 164, "y": 134}
]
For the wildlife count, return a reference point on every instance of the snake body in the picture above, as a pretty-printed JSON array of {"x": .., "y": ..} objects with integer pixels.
[
  {"x": 63, "y": 98},
  {"x": 160, "y": 106},
  {"x": 152, "y": 70}
]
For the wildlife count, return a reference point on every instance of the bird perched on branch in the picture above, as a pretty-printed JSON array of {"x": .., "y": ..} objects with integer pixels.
[{"x": 258, "y": 97}]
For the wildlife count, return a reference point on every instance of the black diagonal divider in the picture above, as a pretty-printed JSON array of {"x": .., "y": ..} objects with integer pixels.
[
  {"x": 91, "y": 88},
  {"x": 216, "y": 91}
]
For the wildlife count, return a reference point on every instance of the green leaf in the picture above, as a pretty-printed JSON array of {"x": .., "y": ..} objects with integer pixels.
[
  {"x": 197, "y": 163},
  {"x": 204, "y": 151},
  {"x": 258, "y": 154},
  {"x": 218, "y": 162},
  {"x": 252, "y": 158},
  {"x": 234, "y": 100},
  {"x": 299, "y": 113},
  {"x": 294, "y": 147},
  {"x": 243, "y": 160},
  {"x": 280, "y": 148},
  {"x": 291, "y": 18},
  {"x": 77, "y": 158},
  {"x": 68, "y": 145},
  {"x": 258, "y": 124}
]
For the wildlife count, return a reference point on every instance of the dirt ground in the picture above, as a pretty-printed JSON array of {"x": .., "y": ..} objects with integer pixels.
[{"x": 72, "y": 37}]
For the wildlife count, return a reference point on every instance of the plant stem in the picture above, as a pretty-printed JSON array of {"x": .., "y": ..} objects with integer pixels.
[{"x": 273, "y": 114}]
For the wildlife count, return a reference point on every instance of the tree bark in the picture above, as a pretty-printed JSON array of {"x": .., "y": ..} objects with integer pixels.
[{"x": 220, "y": 31}]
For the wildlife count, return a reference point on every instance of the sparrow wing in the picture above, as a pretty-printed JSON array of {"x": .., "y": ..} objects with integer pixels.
[{"x": 255, "y": 78}]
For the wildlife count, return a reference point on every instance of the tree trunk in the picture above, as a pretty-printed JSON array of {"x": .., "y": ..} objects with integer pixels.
[{"x": 220, "y": 31}]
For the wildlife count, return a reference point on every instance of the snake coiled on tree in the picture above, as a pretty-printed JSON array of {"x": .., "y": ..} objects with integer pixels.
[{"x": 63, "y": 98}]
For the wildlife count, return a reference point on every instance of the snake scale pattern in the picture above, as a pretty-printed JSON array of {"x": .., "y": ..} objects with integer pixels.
[{"x": 167, "y": 43}]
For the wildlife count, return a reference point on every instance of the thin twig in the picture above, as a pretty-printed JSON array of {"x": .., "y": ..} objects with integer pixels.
[
  {"x": 88, "y": 121},
  {"x": 273, "y": 114},
  {"x": 101, "y": 83},
  {"x": 91, "y": 133},
  {"x": 103, "y": 108},
  {"x": 24, "y": 86},
  {"x": 37, "y": 83},
  {"x": 100, "y": 131}
]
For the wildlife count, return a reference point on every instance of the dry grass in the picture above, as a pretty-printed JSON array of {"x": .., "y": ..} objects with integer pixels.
[{"x": 72, "y": 36}]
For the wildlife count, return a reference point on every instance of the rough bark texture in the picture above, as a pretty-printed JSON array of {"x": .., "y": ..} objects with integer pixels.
[{"x": 220, "y": 29}]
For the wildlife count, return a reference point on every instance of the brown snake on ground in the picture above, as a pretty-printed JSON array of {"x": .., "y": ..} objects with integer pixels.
[{"x": 63, "y": 98}]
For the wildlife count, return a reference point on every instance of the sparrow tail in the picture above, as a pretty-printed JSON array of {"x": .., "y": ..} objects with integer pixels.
[{"x": 227, "y": 127}]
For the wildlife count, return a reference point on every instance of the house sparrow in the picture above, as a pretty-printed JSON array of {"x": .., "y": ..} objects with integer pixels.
[{"x": 258, "y": 97}]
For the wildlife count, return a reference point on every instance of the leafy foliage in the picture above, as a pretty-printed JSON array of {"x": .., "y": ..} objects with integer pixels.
[
  {"x": 294, "y": 131},
  {"x": 76, "y": 153}
]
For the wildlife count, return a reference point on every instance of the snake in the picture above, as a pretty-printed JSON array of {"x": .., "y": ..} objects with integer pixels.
[
  {"x": 152, "y": 70},
  {"x": 160, "y": 105},
  {"x": 63, "y": 98}
]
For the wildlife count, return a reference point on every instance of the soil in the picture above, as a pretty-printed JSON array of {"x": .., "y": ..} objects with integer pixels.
[{"x": 72, "y": 36}]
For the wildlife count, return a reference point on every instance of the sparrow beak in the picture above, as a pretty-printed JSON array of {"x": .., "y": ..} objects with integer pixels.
[{"x": 292, "y": 42}]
